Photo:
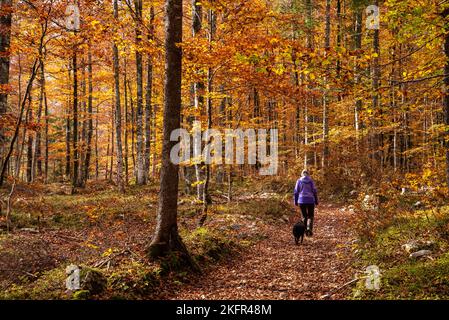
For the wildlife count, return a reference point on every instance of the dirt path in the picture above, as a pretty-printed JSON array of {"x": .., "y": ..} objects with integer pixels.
[{"x": 276, "y": 268}]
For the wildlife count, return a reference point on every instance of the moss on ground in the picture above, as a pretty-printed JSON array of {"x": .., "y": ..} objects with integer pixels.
[{"x": 401, "y": 276}]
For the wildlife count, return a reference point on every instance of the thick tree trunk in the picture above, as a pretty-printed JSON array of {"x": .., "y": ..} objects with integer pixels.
[{"x": 166, "y": 237}]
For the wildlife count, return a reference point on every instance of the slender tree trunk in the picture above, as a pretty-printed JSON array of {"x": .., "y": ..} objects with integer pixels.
[
  {"x": 112, "y": 142},
  {"x": 30, "y": 141},
  {"x": 310, "y": 45},
  {"x": 97, "y": 154},
  {"x": 125, "y": 87},
  {"x": 46, "y": 114},
  {"x": 19, "y": 120},
  {"x": 376, "y": 137},
  {"x": 133, "y": 128},
  {"x": 118, "y": 112},
  {"x": 37, "y": 159},
  {"x": 198, "y": 88},
  {"x": 68, "y": 137},
  {"x": 88, "y": 155},
  {"x": 75, "y": 182},
  {"x": 5, "y": 37},
  {"x": 148, "y": 100},
  {"x": 327, "y": 45},
  {"x": 140, "y": 168},
  {"x": 446, "y": 94},
  {"x": 357, "y": 46},
  {"x": 206, "y": 197}
]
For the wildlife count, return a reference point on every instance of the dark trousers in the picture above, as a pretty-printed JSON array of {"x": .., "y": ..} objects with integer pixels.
[{"x": 307, "y": 211}]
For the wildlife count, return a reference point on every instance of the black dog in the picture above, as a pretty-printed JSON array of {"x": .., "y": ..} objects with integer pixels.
[{"x": 298, "y": 231}]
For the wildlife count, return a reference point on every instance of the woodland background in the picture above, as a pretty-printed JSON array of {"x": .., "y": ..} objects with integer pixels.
[{"x": 367, "y": 111}]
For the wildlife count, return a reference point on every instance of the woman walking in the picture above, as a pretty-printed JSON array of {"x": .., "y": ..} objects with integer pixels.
[{"x": 306, "y": 197}]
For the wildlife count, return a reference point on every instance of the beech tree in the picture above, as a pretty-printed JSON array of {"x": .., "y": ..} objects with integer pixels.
[{"x": 166, "y": 236}]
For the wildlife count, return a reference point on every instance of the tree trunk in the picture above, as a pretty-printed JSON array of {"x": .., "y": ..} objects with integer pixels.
[
  {"x": 5, "y": 37},
  {"x": 88, "y": 155},
  {"x": 148, "y": 101},
  {"x": 198, "y": 87},
  {"x": 75, "y": 182},
  {"x": 166, "y": 237},
  {"x": 125, "y": 87},
  {"x": 206, "y": 197},
  {"x": 140, "y": 168},
  {"x": 46, "y": 115},
  {"x": 118, "y": 112},
  {"x": 376, "y": 137},
  {"x": 357, "y": 46},
  {"x": 68, "y": 138},
  {"x": 29, "y": 166},
  {"x": 446, "y": 95},
  {"x": 327, "y": 46},
  {"x": 19, "y": 121},
  {"x": 37, "y": 160}
]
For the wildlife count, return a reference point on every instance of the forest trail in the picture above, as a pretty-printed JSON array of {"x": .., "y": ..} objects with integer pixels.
[{"x": 276, "y": 268}]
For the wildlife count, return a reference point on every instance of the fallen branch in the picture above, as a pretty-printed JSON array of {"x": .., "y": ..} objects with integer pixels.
[
  {"x": 21, "y": 271},
  {"x": 330, "y": 293},
  {"x": 102, "y": 262}
]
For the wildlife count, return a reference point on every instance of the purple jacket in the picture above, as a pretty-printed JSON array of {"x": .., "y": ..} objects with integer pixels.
[{"x": 305, "y": 191}]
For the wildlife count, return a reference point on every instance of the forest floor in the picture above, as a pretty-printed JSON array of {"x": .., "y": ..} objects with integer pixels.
[
  {"x": 245, "y": 249},
  {"x": 276, "y": 268}
]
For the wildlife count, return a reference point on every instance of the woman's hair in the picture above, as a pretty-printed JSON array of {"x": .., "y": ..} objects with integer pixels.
[{"x": 305, "y": 173}]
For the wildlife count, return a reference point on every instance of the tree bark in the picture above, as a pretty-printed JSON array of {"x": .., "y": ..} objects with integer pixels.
[
  {"x": 19, "y": 120},
  {"x": 376, "y": 137},
  {"x": 5, "y": 38},
  {"x": 88, "y": 155},
  {"x": 148, "y": 100},
  {"x": 29, "y": 167},
  {"x": 140, "y": 167},
  {"x": 125, "y": 88},
  {"x": 446, "y": 94},
  {"x": 198, "y": 88},
  {"x": 37, "y": 159},
  {"x": 325, "y": 97},
  {"x": 166, "y": 237},
  {"x": 75, "y": 182},
  {"x": 118, "y": 112},
  {"x": 68, "y": 137},
  {"x": 357, "y": 46}
]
